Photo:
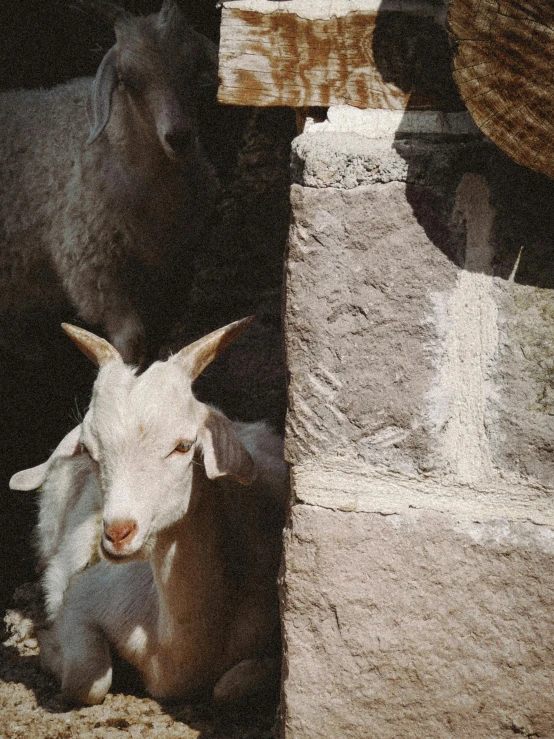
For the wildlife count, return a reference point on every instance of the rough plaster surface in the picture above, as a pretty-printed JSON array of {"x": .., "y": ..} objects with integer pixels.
[
  {"x": 345, "y": 160},
  {"x": 414, "y": 625},
  {"x": 346, "y": 485},
  {"x": 523, "y": 409},
  {"x": 419, "y": 334},
  {"x": 418, "y": 590},
  {"x": 358, "y": 331},
  {"x": 466, "y": 320}
]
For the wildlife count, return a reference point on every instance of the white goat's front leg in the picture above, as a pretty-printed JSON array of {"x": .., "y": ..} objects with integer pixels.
[
  {"x": 54, "y": 584},
  {"x": 78, "y": 542},
  {"x": 78, "y": 654},
  {"x": 69, "y": 560},
  {"x": 87, "y": 666}
]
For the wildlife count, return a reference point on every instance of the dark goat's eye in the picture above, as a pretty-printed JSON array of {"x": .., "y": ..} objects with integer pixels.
[{"x": 131, "y": 84}]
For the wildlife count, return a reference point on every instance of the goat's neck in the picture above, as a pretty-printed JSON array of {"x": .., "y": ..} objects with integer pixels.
[{"x": 189, "y": 571}]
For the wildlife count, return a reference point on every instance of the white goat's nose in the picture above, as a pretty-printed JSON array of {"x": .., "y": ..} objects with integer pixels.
[{"x": 120, "y": 533}]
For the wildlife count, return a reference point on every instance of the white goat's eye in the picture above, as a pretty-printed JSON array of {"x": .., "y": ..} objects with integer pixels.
[
  {"x": 84, "y": 448},
  {"x": 183, "y": 447}
]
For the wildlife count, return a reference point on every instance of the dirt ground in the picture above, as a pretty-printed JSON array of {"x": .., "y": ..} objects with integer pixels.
[
  {"x": 31, "y": 705},
  {"x": 238, "y": 272}
]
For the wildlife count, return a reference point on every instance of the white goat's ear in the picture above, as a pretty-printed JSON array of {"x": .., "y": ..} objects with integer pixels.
[
  {"x": 195, "y": 357},
  {"x": 224, "y": 455},
  {"x": 35, "y": 476},
  {"x": 98, "y": 350},
  {"x": 99, "y": 103}
]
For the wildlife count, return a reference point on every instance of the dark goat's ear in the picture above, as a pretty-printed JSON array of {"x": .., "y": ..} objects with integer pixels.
[
  {"x": 208, "y": 62},
  {"x": 99, "y": 104},
  {"x": 101, "y": 8},
  {"x": 170, "y": 15}
]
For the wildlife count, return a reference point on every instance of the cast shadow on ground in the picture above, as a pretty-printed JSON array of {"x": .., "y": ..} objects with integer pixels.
[{"x": 255, "y": 719}]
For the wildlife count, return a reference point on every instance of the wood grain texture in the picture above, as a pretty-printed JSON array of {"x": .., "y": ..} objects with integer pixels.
[
  {"x": 389, "y": 60},
  {"x": 503, "y": 66}
]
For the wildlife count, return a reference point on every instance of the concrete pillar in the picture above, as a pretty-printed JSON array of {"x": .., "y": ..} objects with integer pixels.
[{"x": 418, "y": 580}]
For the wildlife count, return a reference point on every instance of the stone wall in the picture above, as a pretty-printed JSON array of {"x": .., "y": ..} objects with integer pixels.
[{"x": 418, "y": 580}]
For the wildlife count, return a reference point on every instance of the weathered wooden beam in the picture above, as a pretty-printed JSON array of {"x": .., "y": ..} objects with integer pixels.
[
  {"x": 503, "y": 67},
  {"x": 306, "y": 54}
]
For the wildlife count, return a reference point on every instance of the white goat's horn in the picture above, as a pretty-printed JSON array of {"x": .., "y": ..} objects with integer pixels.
[
  {"x": 98, "y": 350},
  {"x": 197, "y": 356}
]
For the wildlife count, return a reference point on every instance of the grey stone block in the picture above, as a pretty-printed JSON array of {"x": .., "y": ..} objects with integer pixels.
[
  {"x": 520, "y": 415},
  {"x": 419, "y": 332},
  {"x": 348, "y": 160},
  {"x": 418, "y": 587},
  {"x": 361, "y": 271},
  {"x": 416, "y": 626}
]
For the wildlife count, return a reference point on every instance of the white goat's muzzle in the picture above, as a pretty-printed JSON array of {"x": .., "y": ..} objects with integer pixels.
[{"x": 120, "y": 540}]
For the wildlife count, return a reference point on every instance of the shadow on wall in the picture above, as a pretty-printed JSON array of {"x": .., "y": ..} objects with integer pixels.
[
  {"x": 414, "y": 54},
  {"x": 45, "y": 42},
  {"x": 237, "y": 272}
]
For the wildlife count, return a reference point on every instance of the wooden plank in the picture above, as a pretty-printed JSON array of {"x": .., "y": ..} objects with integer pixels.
[
  {"x": 320, "y": 9},
  {"x": 368, "y": 59},
  {"x": 477, "y": 86}
]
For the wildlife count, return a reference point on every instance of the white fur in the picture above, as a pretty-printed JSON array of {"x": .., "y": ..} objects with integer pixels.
[
  {"x": 69, "y": 527},
  {"x": 193, "y": 594}
]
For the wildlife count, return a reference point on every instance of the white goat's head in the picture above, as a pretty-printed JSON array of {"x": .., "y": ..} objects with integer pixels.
[
  {"x": 147, "y": 436},
  {"x": 159, "y": 66}
]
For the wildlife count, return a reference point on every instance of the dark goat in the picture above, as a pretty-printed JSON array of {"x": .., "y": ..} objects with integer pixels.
[{"x": 105, "y": 188}]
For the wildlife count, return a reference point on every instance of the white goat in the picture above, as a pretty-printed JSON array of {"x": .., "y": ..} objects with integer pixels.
[
  {"x": 69, "y": 521},
  {"x": 186, "y": 588},
  {"x": 98, "y": 206}
]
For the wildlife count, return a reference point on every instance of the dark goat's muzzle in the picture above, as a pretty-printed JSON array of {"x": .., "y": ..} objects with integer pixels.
[{"x": 180, "y": 143}]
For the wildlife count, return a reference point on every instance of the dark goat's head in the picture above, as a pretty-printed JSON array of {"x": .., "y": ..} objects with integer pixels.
[{"x": 161, "y": 67}]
